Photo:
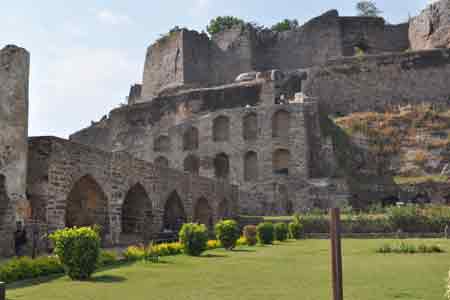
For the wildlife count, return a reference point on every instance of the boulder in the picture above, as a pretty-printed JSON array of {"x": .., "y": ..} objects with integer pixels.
[{"x": 431, "y": 28}]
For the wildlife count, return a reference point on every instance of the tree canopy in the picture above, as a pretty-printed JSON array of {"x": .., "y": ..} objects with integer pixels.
[
  {"x": 285, "y": 25},
  {"x": 368, "y": 9},
  {"x": 220, "y": 24}
]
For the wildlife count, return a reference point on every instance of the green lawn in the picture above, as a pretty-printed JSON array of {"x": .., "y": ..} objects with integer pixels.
[{"x": 293, "y": 270}]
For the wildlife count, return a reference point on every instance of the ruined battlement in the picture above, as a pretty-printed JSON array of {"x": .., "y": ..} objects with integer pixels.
[
  {"x": 376, "y": 82},
  {"x": 187, "y": 59},
  {"x": 14, "y": 75}
]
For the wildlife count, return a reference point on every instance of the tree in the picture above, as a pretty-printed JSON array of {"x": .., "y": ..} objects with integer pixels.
[
  {"x": 368, "y": 9},
  {"x": 285, "y": 25},
  {"x": 220, "y": 24}
]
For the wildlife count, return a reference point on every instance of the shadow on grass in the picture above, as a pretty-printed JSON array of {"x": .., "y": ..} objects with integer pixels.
[
  {"x": 209, "y": 255},
  {"x": 46, "y": 279},
  {"x": 107, "y": 279},
  {"x": 243, "y": 250},
  {"x": 33, "y": 281}
]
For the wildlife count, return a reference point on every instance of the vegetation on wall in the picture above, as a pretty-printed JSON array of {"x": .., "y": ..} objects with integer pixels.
[
  {"x": 223, "y": 23},
  {"x": 285, "y": 25},
  {"x": 368, "y": 9},
  {"x": 163, "y": 37}
]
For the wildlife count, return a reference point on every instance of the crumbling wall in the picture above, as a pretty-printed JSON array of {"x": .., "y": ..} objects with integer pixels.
[
  {"x": 14, "y": 73},
  {"x": 163, "y": 64},
  {"x": 373, "y": 83},
  {"x": 431, "y": 28},
  {"x": 372, "y": 35}
]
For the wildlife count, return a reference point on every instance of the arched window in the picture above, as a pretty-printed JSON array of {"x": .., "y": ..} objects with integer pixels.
[
  {"x": 202, "y": 213},
  {"x": 221, "y": 129},
  {"x": 192, "y": 164},
  {"x": 221, "y": 166},
  {"x": 162, "y": 144},
  {"x": 224, "y": 209},
  {"x": 4, "y": 199},
  {"x": 281, "y": 124},
  {"x": 86, "y": 204},
  {"x": 162, "y": 162},
  {"x": 251, "y": 166},
  {"x": 280, "y": 162},
  {"x": 190, "y": 139},
  {"x": 136, "y": 212},
  {"x": 174, "y": 215},
  {"x": 250, "y": 127}
]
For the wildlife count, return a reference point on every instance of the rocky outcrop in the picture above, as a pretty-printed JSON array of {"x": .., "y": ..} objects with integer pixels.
[{"x": 431, "y": 29}]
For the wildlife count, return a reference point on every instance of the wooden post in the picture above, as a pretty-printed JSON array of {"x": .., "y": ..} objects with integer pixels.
[{"x": 336, "y": 253}]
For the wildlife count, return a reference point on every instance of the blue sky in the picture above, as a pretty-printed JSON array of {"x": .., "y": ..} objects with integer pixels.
[{"x": 85, "y": 54}]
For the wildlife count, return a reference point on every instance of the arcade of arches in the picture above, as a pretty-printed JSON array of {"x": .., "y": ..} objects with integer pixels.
[
  {"x": 221, "y": 129},
  {"x": 203, "y": 213},
  {"x": 136, "y": 212},
  {"x": 174, "y": 213},
  {"x": 86, "y": 204},
  {"x": 281, "y": 124},
  {"x": 190, "y": 139}
]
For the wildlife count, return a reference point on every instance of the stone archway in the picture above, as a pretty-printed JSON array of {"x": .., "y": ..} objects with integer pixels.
[
  {"x": 221, "y": 166},
  {"x": 4, "y": 199},
  {"x": 174, "y": 213},
  {"x": 87, "y": 205},
  {"x": 221, "y": 129},
  {"x": 190, "y": 139},
  {"x": 280, "y": 162},
  {"x": 162, "y": 162},
  {"x": 250, "y": 127},
  {"x": 224, "y": 210},
  {"x": 281, "y": 124},
  {"x": 136, "y": 214},
  {"x": 203, "y": 213},
  {"x": 162, "y": 144},
  {"x": 251, "y": 166},
  {"x": 191, "y": 164}
]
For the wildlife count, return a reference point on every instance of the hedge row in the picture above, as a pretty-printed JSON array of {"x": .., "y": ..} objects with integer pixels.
[{"x": 408, "y": 219}]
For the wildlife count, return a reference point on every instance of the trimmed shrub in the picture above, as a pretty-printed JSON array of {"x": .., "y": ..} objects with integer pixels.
[
  {"x": 227, "y": 232},
  {"x": 26, "y": 268},
  {"x": 242, "y": 241},
  {"x": 250, "y": 235},
  {"x": 167, "y": 249},
  {"x": 213, "y": 244},
  {"x": 194, "y": 238},
  {"x": 106, "y": 258},
  {"x": 265, "y": 233},
  {"x": 220, "y": 24},
  {"x": 281, "y": 231},
  {"x": 134, "y": 253},
  {"x": 78, "y": 250},
  {"x": 295, "y": 230},
  {"x": 409, "y": 248}
]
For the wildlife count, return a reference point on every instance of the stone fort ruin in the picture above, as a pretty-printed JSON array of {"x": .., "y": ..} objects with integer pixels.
[{"x": 220, "y": 126}]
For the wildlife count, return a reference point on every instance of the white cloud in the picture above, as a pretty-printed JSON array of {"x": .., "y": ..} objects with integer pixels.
[
  {"x": 78, "y": 85},
  {"x": 200, "y": 7},
  {"x": 109, "y": 17}
]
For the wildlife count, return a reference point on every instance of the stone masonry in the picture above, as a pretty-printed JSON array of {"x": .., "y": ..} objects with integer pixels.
[
  {"x": 120, "y": 192},
  {"x": 14, "y": 73}
]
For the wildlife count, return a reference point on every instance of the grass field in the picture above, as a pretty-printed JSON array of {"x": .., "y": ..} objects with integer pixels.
[{"x": 292, "y": 270}]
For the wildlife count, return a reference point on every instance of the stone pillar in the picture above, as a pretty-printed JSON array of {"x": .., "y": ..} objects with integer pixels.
[{"x": 14, "y": 74}]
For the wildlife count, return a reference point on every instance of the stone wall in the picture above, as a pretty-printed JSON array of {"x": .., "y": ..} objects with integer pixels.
[
  {"x": 431, "y": 28},
  {"x": 14, "y": 74},
  {"x": 187, "y": 59},
  {"x": 57, "y": 167},
  {"x": 372, "y": 35},
  {"x": 373, "y": 83}
]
